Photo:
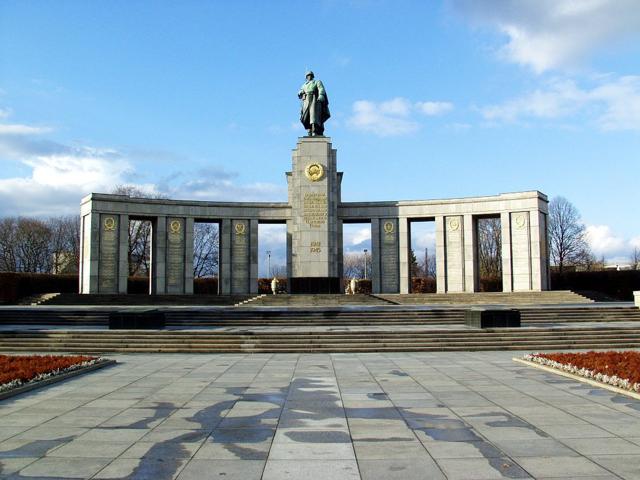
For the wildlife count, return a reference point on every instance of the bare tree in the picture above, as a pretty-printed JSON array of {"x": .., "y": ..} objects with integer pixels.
[
  {"x": 279, "y": 271},
  {"x": 567, "y": 234},
  {"x": 635, "y": 258},
  {"x": 205, "y": 250},
  {"x": 139, "y": 233},
  {"x": 354, "y": 265},
  {"x": 65, "y": 243},
  {"x": 490, "y": 247},
  {"x": 8, "y": 245},
  {"x": 33, "y": 242}
]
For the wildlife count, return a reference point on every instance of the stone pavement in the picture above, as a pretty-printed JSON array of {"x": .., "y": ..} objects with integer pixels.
[{"x": 340, "y": 416}]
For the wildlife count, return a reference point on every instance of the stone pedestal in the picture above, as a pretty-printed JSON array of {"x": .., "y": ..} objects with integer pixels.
[{"x": 314, "y": 196}]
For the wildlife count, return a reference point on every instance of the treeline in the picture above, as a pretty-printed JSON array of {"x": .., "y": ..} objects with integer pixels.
[{"x": 35, "y": 245}]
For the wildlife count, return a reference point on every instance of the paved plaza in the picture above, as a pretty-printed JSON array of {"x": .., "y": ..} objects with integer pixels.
[{"x": 340, "y": 416}]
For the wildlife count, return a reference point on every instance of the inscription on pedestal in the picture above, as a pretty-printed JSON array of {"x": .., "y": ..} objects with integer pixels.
[
  {"x": 175, "y": 255},
  {"x": 108, "y": 272},
  {"x": 315, "y": 209}
]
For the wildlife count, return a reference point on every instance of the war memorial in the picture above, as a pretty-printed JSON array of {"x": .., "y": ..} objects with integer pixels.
[
  {"x": 312, "y": 384},
  {"x": 314, "y": 215}
]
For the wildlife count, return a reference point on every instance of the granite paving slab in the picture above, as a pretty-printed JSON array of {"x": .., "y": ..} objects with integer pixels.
[{"x": 462, "y": 415}]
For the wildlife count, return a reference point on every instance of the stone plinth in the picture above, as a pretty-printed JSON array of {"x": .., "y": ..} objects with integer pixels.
[
  {"x": 136, "y": 320},
  {"x": 492, "y": 318},
  {"x": 314, "y": 196},
  {"x": 636, "y": 296}
]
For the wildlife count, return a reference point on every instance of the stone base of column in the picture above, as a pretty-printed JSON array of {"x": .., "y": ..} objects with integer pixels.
[{"x": 314, "y": 285}]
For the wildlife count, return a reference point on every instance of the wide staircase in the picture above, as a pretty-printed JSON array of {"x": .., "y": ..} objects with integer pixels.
[
  {"x": 208, "y": 341},
  {"x": 132, "y": 300},
  {"x": 484, "y": 298},
  {"x": 249, "y": 317},
  {"x": 313, "y": 329},
  {"x": 320, "y": 300}
]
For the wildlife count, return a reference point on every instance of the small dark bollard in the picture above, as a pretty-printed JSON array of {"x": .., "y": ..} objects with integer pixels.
[
  {"x": 136, "y": 320},
  {"x": 492, "y": 318}
]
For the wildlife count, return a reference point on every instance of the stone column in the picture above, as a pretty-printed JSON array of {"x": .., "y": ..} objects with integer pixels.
[
  {"x": 253, "y": 256},
  {"x": 188, "y": 255},
  {"x": 123, "y": 254},
  {"x": 505, "y": 236},
  {"x": 240, "y": 256},
  {"x": 404, "y": 235},
  {"x": 375, "y": 256},
  {"x": 314, "y": 195},
  {"x": 389, "y": 256},
  {"x": 340, "y": 256},
  {"x": 441, "y": 257},
  {"x": 289, "y": 254},
  {"x": 520, "y": 251},
  {"x": 108, "y": 275},
  {"x": 175, "y": 263},
  {"x": 89, "y": 253},
  {"x": 470, "y": 257},
  {"x": 539, "y": 256},
  {"x": 158, "y": 259},
  {"x": 454, "y": 253},
  {"x": 224, "y": 275}
]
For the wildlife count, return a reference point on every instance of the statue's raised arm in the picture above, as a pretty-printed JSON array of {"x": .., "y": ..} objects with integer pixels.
[{"x": 314, "y": 110}]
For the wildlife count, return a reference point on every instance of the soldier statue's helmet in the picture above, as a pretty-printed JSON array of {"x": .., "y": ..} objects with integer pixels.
[{"x": 309, "y": 72}]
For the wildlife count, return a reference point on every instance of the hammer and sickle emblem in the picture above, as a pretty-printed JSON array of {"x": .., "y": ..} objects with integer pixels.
[
  {"x": 240, "y": 228},
  {"x": 175, "y": 226},
  {"x": 109, "y": 223}
]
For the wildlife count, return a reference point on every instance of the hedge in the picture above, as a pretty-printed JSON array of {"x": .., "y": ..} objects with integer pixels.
[
  {"x": 14, "y": 286},
  {"x": 618, "y": 285}
]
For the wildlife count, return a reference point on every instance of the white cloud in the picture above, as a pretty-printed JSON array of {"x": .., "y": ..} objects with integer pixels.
[
  {"x": 604, "y": 242},
  {"x": 551, "y": 34},
  {"x": 392, "y": 117},
  {"x": 424, "y": 239},
  {"x": 434, "y": 108},
  {"x": 17, "y": 129},
  {"x": 356, "y": 236},
  {"x": 613, "y": 105},
  {"x": 60, "y": 175}
]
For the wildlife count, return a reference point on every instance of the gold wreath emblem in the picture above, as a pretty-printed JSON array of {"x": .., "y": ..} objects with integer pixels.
[
  {"x": 388, "y": 227},
  {"x": 109, "y": 223},
  {"x": 454, "y": 224},
  {"x": 314, "y": 172},
  {"x": 175, "y": 226},
  {"x": 520, "y": 221},
  {"x": 240, "y": 228}
]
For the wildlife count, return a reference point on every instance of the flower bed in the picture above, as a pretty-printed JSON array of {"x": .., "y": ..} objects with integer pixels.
[
  {"x": 19, "y": 370},
  {"x": 619, "y": 369}
]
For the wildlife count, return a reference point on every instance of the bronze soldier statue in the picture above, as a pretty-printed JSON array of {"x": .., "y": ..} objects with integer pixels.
[{"x": 315, "y": 106}]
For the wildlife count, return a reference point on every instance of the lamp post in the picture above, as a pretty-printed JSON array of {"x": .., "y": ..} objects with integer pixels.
[
  {"x": 426, "y": 262},
  {"x": 269, "y": 262},
  {"x": 365, "y": 263}
]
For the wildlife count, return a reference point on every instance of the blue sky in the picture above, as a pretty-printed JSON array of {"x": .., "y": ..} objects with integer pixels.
[{"x": 197, "y": 99}]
